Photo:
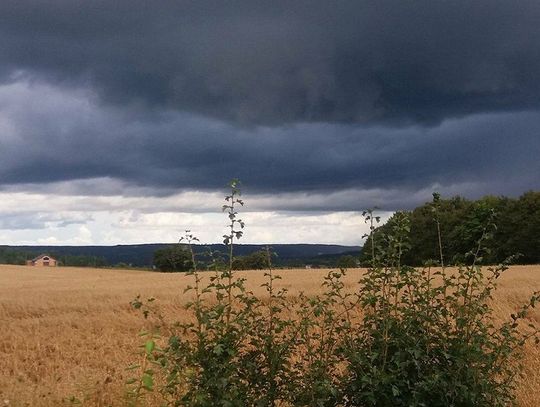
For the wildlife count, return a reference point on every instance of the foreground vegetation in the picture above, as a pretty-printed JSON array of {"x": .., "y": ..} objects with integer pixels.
[{"x": 404, "y": 337}]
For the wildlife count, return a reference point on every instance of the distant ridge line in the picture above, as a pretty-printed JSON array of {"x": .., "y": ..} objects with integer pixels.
[{"x": 141, "y": 255}]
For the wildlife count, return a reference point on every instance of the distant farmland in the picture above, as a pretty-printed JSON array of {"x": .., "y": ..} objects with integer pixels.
[{"x": 71, "y": 331}]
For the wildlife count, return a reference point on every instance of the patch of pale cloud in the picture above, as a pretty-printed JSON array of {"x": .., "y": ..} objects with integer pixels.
[
  {"x": 54, "y": 200},
  {"x": 26, "y": 218},
  {"x": 61, "y": 219},
  {"x": 262, "y": 227}
]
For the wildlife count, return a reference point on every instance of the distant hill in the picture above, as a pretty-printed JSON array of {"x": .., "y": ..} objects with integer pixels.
[{"x": 142, "y": 255}]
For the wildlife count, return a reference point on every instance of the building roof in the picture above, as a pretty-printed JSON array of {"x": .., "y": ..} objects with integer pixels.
[{"x": 41, "y": 256}]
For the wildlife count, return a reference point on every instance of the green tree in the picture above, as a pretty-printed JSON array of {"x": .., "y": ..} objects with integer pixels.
[
  {"x": 518, "y": 228},
  {"x": 173, "y": 258},
  {"x": 460, "y": 223},
  {"x": 255, "y": 261},
  {"x": 348, "y": 261}
]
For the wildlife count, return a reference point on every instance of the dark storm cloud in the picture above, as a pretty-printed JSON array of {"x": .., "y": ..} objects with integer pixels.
[
  {"x": 336, "y": 105},
  {"x": 72, "y": 137},
  {"x": 276, "y": 62}
]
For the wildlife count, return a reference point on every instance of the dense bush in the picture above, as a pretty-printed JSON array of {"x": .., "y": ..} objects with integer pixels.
[
  {"x": 404, "y": 337},
  {"x": 173, "y": 258},
  {"x": 254, "y": 261},
  {"x": 14, "y": 256},
  {"x": 81, "y": 260},
  {"x": 347, "y": 262}
]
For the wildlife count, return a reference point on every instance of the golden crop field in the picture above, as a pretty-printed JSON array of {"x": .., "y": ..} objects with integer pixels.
[{"x": 69, "y": 333}]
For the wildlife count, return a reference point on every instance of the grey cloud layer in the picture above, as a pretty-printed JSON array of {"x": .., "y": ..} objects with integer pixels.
[
  {"x": 21, "y": 220},
  {"x": 73, "y": 137},
  {"x": 259, "y": 62}
]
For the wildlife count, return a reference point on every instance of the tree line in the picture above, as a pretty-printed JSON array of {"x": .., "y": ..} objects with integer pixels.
[
  {"x": 19, "y": 257},
  {"x": 462, "y": 222},
  {"x": 177, "y": 258}
]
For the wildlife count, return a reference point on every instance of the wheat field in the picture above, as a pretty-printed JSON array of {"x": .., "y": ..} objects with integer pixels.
[{"x": 68, "y": 334}]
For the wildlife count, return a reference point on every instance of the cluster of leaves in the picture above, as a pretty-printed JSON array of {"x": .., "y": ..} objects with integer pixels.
[
  {"x": 14, "y": 256},
  {"x": 254, "y": 261},
  {"x": 404, "y": 337},
  {"x": 348, "y": 261},
  {"x": 173, "y": 258},
  {"x": 461, "y": 222},
  {"x": 178, "y": 258},
  {"x": 81, "y": 260}
]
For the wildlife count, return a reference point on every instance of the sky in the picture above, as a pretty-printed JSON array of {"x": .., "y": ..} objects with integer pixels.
[{"x": 122, "y": 122}]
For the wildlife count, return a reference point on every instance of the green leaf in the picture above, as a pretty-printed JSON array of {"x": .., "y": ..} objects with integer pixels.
[
  {"x": 218, "y": 349},
  {"x": 149, "y": 346},
  {"x": 148, "y": 382}
]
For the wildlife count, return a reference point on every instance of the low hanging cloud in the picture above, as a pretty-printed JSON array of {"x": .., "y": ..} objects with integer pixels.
[{"x": 31, "y": 220}]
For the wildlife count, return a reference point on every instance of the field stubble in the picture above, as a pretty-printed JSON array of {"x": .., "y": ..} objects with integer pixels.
[{"x": 69, "y": 333}]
